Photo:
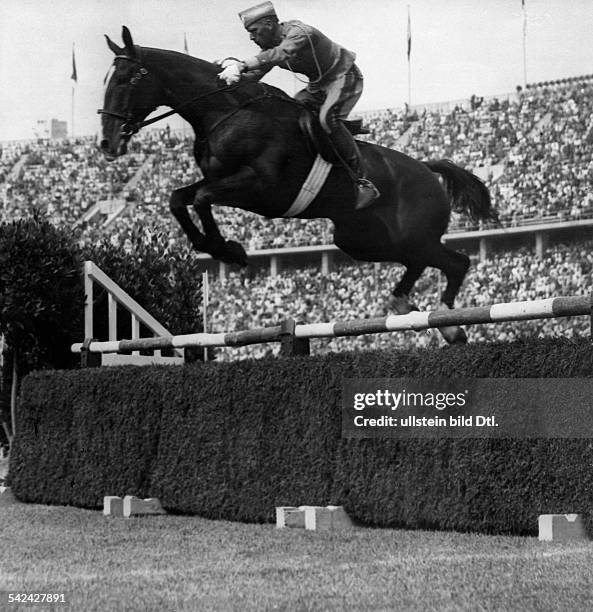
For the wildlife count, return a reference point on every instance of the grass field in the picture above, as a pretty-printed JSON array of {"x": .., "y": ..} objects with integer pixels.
[{"x": 188, "y": 563}]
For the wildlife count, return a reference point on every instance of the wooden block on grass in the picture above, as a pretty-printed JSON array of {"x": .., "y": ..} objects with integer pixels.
[
  {"x": 113, "y": 505},
  {"x": 326, "y": 518},
  {"x": 134, "y": 506},
  {"x": 290, "y": 516},
  {"x": 7, "y": 497},
  {"x": 561, "y": 528}
]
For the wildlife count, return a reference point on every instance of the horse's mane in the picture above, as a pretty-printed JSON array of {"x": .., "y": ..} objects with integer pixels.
[{"x": 183, "y": 61}]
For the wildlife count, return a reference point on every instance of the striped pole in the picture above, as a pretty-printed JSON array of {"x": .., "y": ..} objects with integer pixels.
[
  {"x": 514, "y": 311},
  {"x": 240, "y": 338},
  {"x": 417, "y": 321}
]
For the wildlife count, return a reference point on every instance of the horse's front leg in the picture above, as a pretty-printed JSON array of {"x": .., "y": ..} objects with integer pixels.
[
  {"x": 178, "y": 202},
  {"x": 210, "y": 241},
  {"x": 222, "y": 190},
  {"x": 227, "y": 251}
]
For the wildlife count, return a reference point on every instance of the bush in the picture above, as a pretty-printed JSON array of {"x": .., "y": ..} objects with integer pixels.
[
  {"x": 167, "y": 283},
  {"x": 41, "y": 296}
]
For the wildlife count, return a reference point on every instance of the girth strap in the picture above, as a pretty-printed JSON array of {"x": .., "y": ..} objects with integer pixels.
[{"x": 311, "y": 187}]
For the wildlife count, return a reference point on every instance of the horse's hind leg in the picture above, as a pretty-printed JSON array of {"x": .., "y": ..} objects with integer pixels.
[
  {"x": 455, "y": 271},
  {"x": 399, "y": 300},
  {"x": 454, "y": 265}
]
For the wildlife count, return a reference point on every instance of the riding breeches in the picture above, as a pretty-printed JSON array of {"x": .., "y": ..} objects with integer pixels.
[{"x": 334, "y": 101}]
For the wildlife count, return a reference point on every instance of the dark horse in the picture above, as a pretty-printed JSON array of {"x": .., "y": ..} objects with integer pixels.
[{"x": 254, "y": 155}]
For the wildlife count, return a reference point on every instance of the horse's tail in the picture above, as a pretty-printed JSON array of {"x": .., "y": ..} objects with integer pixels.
[{"x": 467, "y": 192}]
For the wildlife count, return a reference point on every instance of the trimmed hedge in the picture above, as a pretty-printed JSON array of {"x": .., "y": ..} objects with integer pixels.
[{"x": 234, "y": 440}]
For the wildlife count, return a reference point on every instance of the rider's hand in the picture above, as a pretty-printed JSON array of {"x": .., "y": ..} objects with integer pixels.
[{"x": 232, "y": 73}]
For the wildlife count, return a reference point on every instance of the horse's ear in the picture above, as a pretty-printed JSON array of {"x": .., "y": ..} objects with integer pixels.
[
  {"x": 127, "y": 38},
  {"x": 113, "y": 46}
]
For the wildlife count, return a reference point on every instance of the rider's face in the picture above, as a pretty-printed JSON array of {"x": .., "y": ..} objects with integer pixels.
[{"x": 262, "y": 34}]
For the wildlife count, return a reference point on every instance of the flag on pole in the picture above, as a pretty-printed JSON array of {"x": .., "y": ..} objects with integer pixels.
[
  {"x": 74, "y": 75},
  {"x": 185, "y": 44},
  {"x": 409, "y": 34}
]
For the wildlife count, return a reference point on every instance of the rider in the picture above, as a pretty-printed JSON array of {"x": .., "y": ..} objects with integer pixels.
[{"x": 335, "y": 82}]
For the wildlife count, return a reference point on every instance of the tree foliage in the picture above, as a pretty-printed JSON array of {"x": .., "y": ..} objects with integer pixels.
[
  {"x": 41, "y": 294},
  {"x": 165, "y": 280}
]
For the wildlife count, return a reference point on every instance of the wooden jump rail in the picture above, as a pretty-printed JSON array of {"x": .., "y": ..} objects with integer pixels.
[
  {"x": 138, "y": 316},
  {"x": 295, "y": 337}
]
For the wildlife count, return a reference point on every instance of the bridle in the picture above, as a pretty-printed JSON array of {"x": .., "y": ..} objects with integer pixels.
[{"x": 130, "y": 126}]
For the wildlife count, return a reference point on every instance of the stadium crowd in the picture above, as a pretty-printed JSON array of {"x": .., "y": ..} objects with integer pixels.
[
  {"x": 533, "y": 148},
  {"x": 61, "y": 180},
  {"x": 541, "y": 138}
]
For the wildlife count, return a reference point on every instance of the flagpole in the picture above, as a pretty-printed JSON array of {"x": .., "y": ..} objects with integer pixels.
[
  {"x": 72, "y": 113},
  {"x": 409, "y": 62},
  {"x": 409, "y": 85},
  {"x": 524, "y": 44},
  {"x": 74, "y": 79}
]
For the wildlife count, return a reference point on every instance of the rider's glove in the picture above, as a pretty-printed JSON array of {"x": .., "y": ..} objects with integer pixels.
[
  {"x": 232, "y": 72},
  {"x": 225, "y": 61}
]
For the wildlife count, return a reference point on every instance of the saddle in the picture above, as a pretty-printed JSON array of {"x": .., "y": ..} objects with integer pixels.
[{"x": 317, "y": 139}]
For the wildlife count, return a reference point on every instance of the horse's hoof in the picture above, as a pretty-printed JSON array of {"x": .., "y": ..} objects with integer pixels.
[
  {"x": 454, "y": 334},
  {"x": 461, "y": 339},
  {"x": 401, "y": 305},
  {"x": 233, "y": 253}
]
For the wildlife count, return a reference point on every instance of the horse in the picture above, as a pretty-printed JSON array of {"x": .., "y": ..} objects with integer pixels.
[{"x": 254, "y": 154}]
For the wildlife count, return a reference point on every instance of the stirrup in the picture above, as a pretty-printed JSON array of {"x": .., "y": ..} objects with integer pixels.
[{"x": 367, "y": 194}]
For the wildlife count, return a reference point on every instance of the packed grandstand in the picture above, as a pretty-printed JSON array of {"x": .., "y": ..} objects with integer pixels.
[{"x": 533, "y": 148}]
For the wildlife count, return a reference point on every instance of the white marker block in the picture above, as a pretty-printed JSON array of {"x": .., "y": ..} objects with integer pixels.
[
  {"x": 134, "y": 506},
  {"x": 561, "y": 528},
  {"x": 328, "y": 518},
  {"x": 290, "y": 516},
  {"x": 7, "y": 497},
  {"x": 113, "y": 505}
]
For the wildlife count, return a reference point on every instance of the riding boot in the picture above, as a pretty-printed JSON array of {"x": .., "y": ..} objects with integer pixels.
[
  {"x": 349, "y": 153},
  {"x": 367, "y": 193}
]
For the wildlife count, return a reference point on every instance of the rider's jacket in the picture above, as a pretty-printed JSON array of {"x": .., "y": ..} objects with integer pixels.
[{"x": 306, "y": 50}]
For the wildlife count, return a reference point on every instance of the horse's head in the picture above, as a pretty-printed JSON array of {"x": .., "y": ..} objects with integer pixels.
[{"x": 131, "y": 94}]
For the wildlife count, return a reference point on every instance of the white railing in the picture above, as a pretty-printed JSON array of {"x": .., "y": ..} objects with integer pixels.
[{"x": 138, "y": 316}]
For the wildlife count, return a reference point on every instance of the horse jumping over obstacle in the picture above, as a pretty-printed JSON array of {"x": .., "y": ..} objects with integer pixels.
[{"x": 254, "y": 155}]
